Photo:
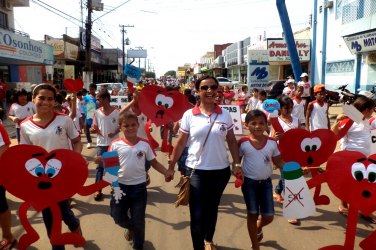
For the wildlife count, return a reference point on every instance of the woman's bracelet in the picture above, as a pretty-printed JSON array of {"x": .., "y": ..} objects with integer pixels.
[{"x": 237, "y": 165}]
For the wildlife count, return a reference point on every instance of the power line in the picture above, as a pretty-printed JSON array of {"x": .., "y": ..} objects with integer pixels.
[
  {"x": 112, "y": 10},
  {"x": 57, "y": 10},
  {"x": 54, "y": 12}
]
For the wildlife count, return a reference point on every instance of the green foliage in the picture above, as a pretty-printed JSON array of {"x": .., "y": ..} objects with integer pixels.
[
  {"x": 149, "y": 74},
  {"x": 171, "y": 73}
]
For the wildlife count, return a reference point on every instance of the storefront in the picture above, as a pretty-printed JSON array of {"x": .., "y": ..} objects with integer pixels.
[
  {"x": 23, "y": 59},
  {"x": 279, "y": 57}
]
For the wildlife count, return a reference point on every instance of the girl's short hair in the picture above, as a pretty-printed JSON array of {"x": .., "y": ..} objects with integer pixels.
[
  {"x": 244, "y": 88},
  {"x": 198, "y": 82},
  {"x": 46, "y": 86},
  {"x": 362, "y": 103},
  {"x": 251, "y": 115},
  {"x": 285, "y": 101},
  {"x": 126, "y": 116},
  {"x": 255, "y": 90}
]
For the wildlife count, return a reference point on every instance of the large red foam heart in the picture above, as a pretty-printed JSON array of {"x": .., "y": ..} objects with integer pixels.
[
  {"x": 307, "y": 148},
  {"x": 73, "y": 85},
  {"x": 350, "y": 176},
  {"x": 162, "y": 106},
  {"x": 42, "y": 178}
]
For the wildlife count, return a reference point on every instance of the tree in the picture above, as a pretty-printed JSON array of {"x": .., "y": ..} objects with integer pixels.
[
  {"x": 171, "y": 73},
  {"x": 149, "y": 74}
]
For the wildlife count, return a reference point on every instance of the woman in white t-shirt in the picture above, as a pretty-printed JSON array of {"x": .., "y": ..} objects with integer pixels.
[{"x": 209, "y": 165}]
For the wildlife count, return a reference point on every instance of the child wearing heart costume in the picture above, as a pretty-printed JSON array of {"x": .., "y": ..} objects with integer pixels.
[
  {"x": 51, "y": 131},
  {"x": 358, "y": 137},
  {"x": 287, "y": 122}
]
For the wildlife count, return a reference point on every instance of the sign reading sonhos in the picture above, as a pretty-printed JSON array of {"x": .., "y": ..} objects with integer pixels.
[{"x": 15, "y": 46}]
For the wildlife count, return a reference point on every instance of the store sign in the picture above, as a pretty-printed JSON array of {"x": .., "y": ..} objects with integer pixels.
[
  {"x": 361, "y": 42},
  {"x": 18, "y": 47},
  {"x": 63, "y": 50},
  {"x": 258, "y": 68},
  {"x": 278, "y": 52}
]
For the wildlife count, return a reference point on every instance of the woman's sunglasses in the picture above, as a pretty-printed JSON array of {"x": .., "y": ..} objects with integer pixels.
[{"x": 212, "y": 87}]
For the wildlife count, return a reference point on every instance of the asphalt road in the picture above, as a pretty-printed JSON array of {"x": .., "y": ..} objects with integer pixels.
[{"x": 167, "y": 227}]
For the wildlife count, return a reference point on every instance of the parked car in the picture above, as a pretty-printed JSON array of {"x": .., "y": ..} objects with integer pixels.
[
  {"x": 111, "y": 86},
  {"x": 223, "y": 81}
]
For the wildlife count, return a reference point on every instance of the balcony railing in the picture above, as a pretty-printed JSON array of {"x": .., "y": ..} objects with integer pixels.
[
  {"x": 358, "y": 10},
  {"x": 15, "y": 31}
]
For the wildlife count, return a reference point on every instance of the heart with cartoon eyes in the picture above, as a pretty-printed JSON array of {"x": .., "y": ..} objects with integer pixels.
[
  {"x": 307, "y": 148},
  {"x": 73, "y": 85},
  {"x": 162, "y": 106},
  {"x": 351, "y": 176},
  {"x": 42, "y": 178}
]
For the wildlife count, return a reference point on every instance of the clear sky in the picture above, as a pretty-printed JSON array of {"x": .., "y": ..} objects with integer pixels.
[{"x": 174, "y": 32}]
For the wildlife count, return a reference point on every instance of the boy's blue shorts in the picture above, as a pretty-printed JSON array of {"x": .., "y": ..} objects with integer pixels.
[{"x": 258, "y": 196}]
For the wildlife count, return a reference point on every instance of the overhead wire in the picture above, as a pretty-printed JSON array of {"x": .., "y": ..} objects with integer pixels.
[{"x": 51, "y": 7}]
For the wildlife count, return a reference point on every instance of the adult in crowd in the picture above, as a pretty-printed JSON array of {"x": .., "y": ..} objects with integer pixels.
[
  {"x": 307, "y": 92},
  {"x": 208, "y": 124}
]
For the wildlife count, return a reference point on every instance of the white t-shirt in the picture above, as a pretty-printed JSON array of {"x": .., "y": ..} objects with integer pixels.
[
  {"x": 214, "y": 154},
  {"x": 253, "y": 102},
  {"x": 132, "y": 160},
  {"x": 76, "y": 120},
  {"x": 298, "y": 109},
  {"x": 21, "y": 112},
  {"x": 306, "y": 88},
  {"x": 257, "y": 162},
  {"x": 4, "y": 138},
  {"x": 57, "y": 134},
  {"x": 319, "y": 116},
  {"x": 286, "y": 126},
  {"x": 106, "y": 124},
  {"x": 288, "y": 91},
  {"x": 358, "y": 138},
  {"x": 81, "y": 106}
]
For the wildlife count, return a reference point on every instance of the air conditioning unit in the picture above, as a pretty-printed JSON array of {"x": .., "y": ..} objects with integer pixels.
[
  {"x": 328, "y": 4},
  {"x": 7, "y": 5}
]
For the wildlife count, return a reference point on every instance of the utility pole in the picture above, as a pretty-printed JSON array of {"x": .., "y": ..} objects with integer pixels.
[
  {"x": 123, "y": 31},
  {"x": 88, "y": 27}
]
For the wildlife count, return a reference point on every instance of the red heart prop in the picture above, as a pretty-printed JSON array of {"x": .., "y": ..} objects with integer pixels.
[
  {"x": 73, "y": 85},
  {"x": 307, "y": 148},
  {"x": 42, "y": 178},
  {"x": 348, "y": 178},
  {"x": 162, "y": 106}
]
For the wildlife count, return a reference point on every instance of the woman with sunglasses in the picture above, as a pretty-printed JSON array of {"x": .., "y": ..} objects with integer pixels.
[{"x": 210, "y": 161}]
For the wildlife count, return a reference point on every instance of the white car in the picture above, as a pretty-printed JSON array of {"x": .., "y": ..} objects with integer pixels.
[
  {"x": 223, "y": 81},
  {"x": 110, "y": 86}
]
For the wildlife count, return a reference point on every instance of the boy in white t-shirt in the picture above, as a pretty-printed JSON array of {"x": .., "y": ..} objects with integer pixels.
[
  {"x": 106, "y": 125},
  {"x": 259, "y": 152},
  {"x": 133, "y": 151}
]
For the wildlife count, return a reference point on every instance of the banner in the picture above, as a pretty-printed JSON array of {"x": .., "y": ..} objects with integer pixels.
[{"x": 235, "y": 115}]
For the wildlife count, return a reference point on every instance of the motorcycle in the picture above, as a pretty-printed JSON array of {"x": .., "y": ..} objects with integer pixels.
[
  {"x": 346, "y": 96},
  {"x": 332, "y": 97}
]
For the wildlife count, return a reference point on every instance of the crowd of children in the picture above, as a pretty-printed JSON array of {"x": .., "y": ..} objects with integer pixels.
[{"x": 124, "y": 131}]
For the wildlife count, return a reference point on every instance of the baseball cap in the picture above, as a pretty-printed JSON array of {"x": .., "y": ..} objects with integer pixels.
[
  {"x": 318, "y": 88},
  {"x": 366, "y": 93},
  {"x": 303, "y": 75},
  {"x": 289, "y": 81}
]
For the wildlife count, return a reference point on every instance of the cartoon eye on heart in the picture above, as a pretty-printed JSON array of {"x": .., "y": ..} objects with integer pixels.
[
  {"x": 161, "y": 105},
  {"x": 40, "y": 177},
  {"x": 307, "y": 148}
]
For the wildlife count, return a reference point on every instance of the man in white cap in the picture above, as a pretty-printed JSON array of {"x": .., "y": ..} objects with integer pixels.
[
  {"x": 307, "y": 87},
  {"x": 290, "y": 88}
]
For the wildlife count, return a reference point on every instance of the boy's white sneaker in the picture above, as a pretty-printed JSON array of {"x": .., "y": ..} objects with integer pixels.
[{"x": 89, "y": 145}]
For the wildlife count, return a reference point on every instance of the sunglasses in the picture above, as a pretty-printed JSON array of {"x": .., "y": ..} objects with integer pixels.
[{"x": 212, "y": 87}]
